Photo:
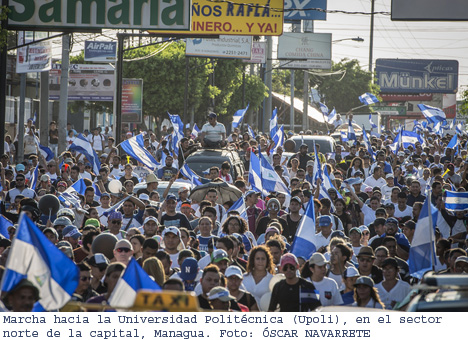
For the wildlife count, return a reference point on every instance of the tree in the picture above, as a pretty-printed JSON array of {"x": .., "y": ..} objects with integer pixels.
[{"x": 464, "y": 105}]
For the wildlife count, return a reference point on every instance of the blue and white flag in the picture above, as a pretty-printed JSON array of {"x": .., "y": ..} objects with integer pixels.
[
  {"x": 34, "y": 178},
  {"x": 456, "y": 201},
  {"x": 255, "y": 174},
  {"x": 405, "y": 139},
  {"x": 133, "y": 279},
  {"x": 417, "y": 126},
  {"x": 133, "y": 148},
  {"x": 34, "y": 120},
  {"x": 83, "y": 146},
  {"x": 35, "y": 258},
  {"x": 453, "y": 142},
  {"x": 274, "y": 122},
  {"x": 174, "y": 146},
  {"x": 422, "y": 251},
  {"x": 368, "y": 144},
  {"x": 188, "y": 173},
  {"x": 279, "y": 138},
  {"x": 251, "y": 131},
  {"x": 5, "y": 223},
  {"x": 327, "y": 183},
  {"x": 452, "y": 124},
  {"x": 238, "y": 116},
  {"x": 317, "y": 173},
  {"x": 368, "y": 99},
  {"x": 46, "y": 152},
  {"x": 373, "y": 126},
  {"x": 70, "y": 196},
  {"x": 344, "y": 136},
  {"x": 432, "y": 114},
  {"x": 305, "y": 239},
  {"x": 351, "y": 133},
  {"x": 195, "y": 131},
  {"x": 324, "y": 109},
  {"x": 239, "y": 206},
  {"x": 331, "y": 118},
  {"x": 270, "y": 178},
  {"x": 177, "y": 125},
  {"x": 459, "y": 128}
]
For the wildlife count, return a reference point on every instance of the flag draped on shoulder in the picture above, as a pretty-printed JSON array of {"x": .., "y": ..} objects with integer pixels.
[
  {"x": 304, "y": 241},
  {"x": 456, "y": 201},
  {"x": 368, "y": 99},
  {"x": 83, "y": 146},
  {"x": 35, "y": 258},
  {"x": 238, "y": 116},
  {"x": 422, "y": 251},
  {"x": 432, "y": 114},
  {"x": 134, "y": 148},
  {"x": 133, "y": 279}
]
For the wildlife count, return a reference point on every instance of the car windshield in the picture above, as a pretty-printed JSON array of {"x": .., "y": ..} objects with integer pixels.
[
  {"x": 198, "y": 165},
  {"x": 325, "y": 144}
]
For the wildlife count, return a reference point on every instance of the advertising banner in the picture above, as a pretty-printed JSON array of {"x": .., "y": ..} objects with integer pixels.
[
  {"x": 35, "y": 57},
  {"x": 227, "y": 46},
  {"x": 405, "y": 97},
  {"x": 305, "y": 46},
  {"x": 391, "y": 110},
  {"x": 100, "y": 51},
  {"x": 306, "y": 64},
  {"x": 417, "y": 75},
  {"x": 295, "y": 10},
  {"x": 85, "y": 82},
  {"x": 428, "y": 10},
  {"x": 132, "y": 100},
  {"x": 258, "y": 53}
]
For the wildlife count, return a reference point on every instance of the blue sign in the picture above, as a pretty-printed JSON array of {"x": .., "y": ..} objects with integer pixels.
[
  {"x": 100, "y": 51},
  {"x": 417, "y": 75},
  {"x": 295, "y": 10}
]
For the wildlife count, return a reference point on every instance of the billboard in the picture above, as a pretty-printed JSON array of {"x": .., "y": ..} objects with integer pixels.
[
  {"x": 36, "y": 57},
  {"x": 258, "y": 55},
  {"x": 235, "y": 17},
  {"x": 227, "y": 46},
  {"x": 305, "y": 46},
  {"x": 429, "y": 10},
  {"x": 98, "y": 14},
  {"x": 406, "y": 97},
  {"x": 100, "y": 51},
  {"x": 85, "y": 82},
  {"x": 417, "y": 75},
  {"x": 306, "y": 64},
  {"x": 132, "y": 100},
  {"x": 295, "y": 10}
]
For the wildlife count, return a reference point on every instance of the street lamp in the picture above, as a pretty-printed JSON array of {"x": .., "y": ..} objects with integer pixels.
[{"x": 358, "y": 39}]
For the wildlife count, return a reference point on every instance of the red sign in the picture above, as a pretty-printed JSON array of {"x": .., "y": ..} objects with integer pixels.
[{"x": 406, "y": 97}]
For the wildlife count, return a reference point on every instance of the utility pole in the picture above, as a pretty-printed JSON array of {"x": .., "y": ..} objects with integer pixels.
[
  {"x": 44, "y": 108},
  {"x": 63, "y": 105},
  {"x": 21, "y": 118},
  {"x": 268, "y": 82},
  {"x": 295, "y": 28},
  {"x": 371, "y": 44}
]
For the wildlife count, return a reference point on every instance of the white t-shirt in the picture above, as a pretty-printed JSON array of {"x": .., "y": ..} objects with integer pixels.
[
  {"x": 407, "y": 212},
  {"x": 321, "y": 241},
  {"x": 329, "y": 292},
  {"x": 396, "y": 294},
  {"x": 174, "y": 259},
  {"x": 257, "y": 289},
  {"x": 213, "y": 133},
  {"x": 372, "y": 182},
  {"x": 97, "y": 141},
  {"x": 369, "y": 214},
  {"x": 371, "y": 304},
  {"x": 386, "y": 191}
]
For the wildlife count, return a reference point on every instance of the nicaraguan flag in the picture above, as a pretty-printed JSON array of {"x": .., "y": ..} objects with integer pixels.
[
  {"x": 317, "y": 166},
  {"x": 34, "y": 178},
  {"x": 368, "y": 99},
  {"x": 344, "y": 136},
  {"x": 251, "y": 131},
  {"x": 432, "y": 114},
  {"x": 175, "y": 143},
  {"x": 133, "y": 279},
  {"x": 134, "y": 149},
  {"x": 327, "y": 183},
  {"x": 270, "y": 179},
  {"x": 188, "y": 173},
  {"x": 422, "y": 251},
  {"x": 452, "y": 124},
  {"x": 279, "y": 138},
  {"x": 308, "y": 295},
  {"x": 304, "y": 241},
  {"x": 195, "y": 131},
  {"x": 405, "y": 139},
  {"x": 239, "y": 206},
  {"x": 83, "y": 146},
  {"x": 274, "y": 123},
  {"x": 331, "y": 118},
  {"x": 373, "y": 126},
  {"x": 46, "y": 152},
  {"x": 323, "y": 193},
  {"x": 34, "y": 118},
  {"x": 35, "y": 258},
  {"x": 4, "y": 224},
  {"x": 238, "y": 116},
  {"x": 324, "y": 109},
  {"x": 367, "y": 143},
  {"x": 456, "y": 201},
  {"x": 459, "y": 128},
  {"x": 453, "y": 142},
  {"x": 351, "y": 133},
  {"x": 255, "y": 174},
  {"x": 177, "y": 125}
]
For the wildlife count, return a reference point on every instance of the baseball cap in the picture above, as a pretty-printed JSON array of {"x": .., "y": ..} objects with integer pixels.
[
  {"x": 461, "y": 259},
  {"x": 71, "y": 231},
  {"x": 189, "y": 269},
  {"x": 338, "y": 233},
  {"x": 363, "y": 228},
  {"x": 151, "y": 178},
  {"x": 104, "y": 155},
  {"x": 390, "y": 261},
  {"x": 99, "y": 260},
  {"x": 220, "y": 293},
  {"x": 123, "y": 244},
  {"x": 150, "y": 218},
  {"x": 172, "y": 230},
  {"x": 297, "y": 199},
  {"x": 115, "y": 215},
  {"x": 94, "y": 222},
  {"x": 364, "y": 280},
  {"x": 366, "y": 251},
  {"x": 318, "y": 259},
  {"x": 401, "y": 153},
  {"x": 171, "y": 197},
  {"x": 20, "y": 167},
  {"x": 250, "y": 192},
  {"x": 45, "y": 178},
  {"x": 391, "y": 220},
  {"x": 351, "y": 272},
  {"x": 324, "y": 221},
  {"x": 310, "y": 163},
  {"x": 389, "y": 206},
  {"x": 144, "y": 197},
  {"x": 62, "y": 221},
  {"x": 182, "y": 189},
  {"x": 234, "y": 271},
  {"x": 389, "y": 176},
  {"x": 356, "y": 230},
  {"x": 219, "y": 255},
  {"x": 289, "y": 259},
  {"x": 212, "y": 115}
]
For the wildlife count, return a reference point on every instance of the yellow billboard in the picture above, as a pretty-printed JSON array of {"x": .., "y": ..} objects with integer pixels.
[{"x": 234, "y": 17}]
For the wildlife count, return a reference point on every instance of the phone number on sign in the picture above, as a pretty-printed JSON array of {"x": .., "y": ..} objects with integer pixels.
[{"x": 235, "y": 53}]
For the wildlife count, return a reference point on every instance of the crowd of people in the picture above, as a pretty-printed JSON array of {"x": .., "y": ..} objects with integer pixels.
[{"x": 241, "y": 260}]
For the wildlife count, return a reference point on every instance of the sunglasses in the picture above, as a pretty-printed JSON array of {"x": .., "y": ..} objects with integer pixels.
[
  {"x": 101, "y": 269},
  {"x": 123, "y": 250},
  {"x": 85, "y": 278},
  {"x": 50, "y": 165},
  {"x": 116, "y": 222},
  {"x": 366, "y": 233},
  {"x": 288, "y": 267}
]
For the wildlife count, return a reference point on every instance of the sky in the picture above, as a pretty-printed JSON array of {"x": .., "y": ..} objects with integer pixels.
[{"x": 394, "y": 39}]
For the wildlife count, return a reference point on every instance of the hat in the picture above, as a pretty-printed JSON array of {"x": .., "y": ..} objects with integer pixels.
[
  {"x": 368, "y": 189},
  {"x": 271, "y": 229},
  {"x": 189, "y": 269},
  {"x": 351, "y": 272},
  {"x": 62, "y": 221},
  {"x": 151, "y": 218},
  {"x": 171, "y": 197},
  {"x": 99, "y": 260},
  {"x": 366, "y": 251},
  {"x": 391, "y": 220},
  {"x": 390, "y": 261},
  {"x": 423, "y": 154},
  {"x": 61, "y": 183},
  {"x": 304, "y": 145},
  {"x": 356, "y": 230},
  {"x": 310, "y": 163},
  {"x": 182, "y": 189},
  {"x": 104, "y": 155},
  {"x": 220, "y": 293},
  {"x": 389, "y": 206},
  {"x": 338, "y": 233},
  {"x": 364, "y": 280},
  {"x": 401, "y": 153},
  {"x": 45, "y": 178},
  {"x": 461, "y": 259},
  {"x": 94, "y": 222},
  {"x": 25, "y": 283},
  {"x": 363, "y": 228},
  {"x": 297, "y": 199},
  {"x": 144, "y": 197},
  {"x": 325, "y": 221},
  {"x": 234, "y": 271},
  {"x": 71, "y": 231},
  {"x": 129, "y": 133},
  {"x": 212, "y": 115},
  {"x": 20, "y": 167},
  {"x": 172, "y": 230},
  {"x": 389, "y": 176},
  {"x": 318, "y": 259},
  {"x": 115, "y": 215},
  {"x": 250, "y": 192},
  {"x": 123, "y": 244},
  {"x": 219, "y": 255},
  {"x": 289, "y": 259},
  {"x": 358, "y": 173},
  {"x": 151, "y": 178}
]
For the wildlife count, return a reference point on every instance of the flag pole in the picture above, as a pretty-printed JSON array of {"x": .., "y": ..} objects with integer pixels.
[{"x": 429, "y": 194}]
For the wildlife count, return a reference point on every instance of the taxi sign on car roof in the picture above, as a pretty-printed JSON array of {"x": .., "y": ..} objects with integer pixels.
[{"x": 170, "y": 301}]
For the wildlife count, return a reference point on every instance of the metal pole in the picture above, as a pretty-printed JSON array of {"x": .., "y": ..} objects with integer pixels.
[
  {"x": 21, "y": 118},
  {"x": 305, "y": 117},
  {"x": 291, "y": 108},
  {"x": 187, "y": 69},
  {"x": 371, "y": 45},
  {"x": 268, "y": 82},
  {"x": 63, "y": 105},
  {"x": 3, "y": 81},
  {"x": 44, "y": 108},
  {"x": 118, "y": 92}
]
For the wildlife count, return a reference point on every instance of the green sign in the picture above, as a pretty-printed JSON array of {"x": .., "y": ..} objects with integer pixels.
[
  {"x": 83, "y": 15},
  {"x": 390, "y": 110}
]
